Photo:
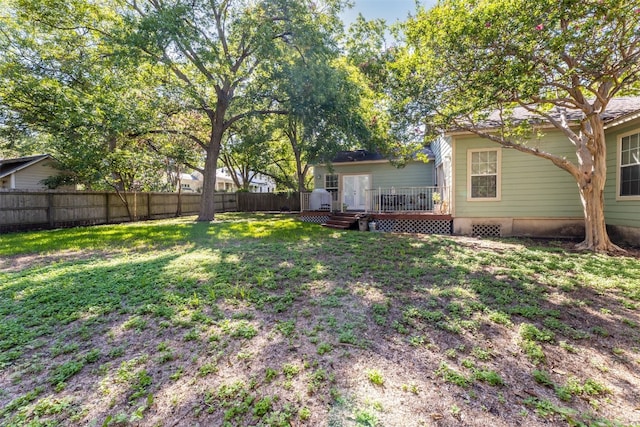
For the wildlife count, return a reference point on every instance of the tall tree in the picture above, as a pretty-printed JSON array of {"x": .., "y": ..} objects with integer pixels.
[
  {"x": 61, "y": 89},
  {"x": 331, "y": 108},
  {"x": 223, "y": 55},
  {"x": 369, "y": 49},
  {"x": 470, "y": 57},
  {"x": 246, "y": 152}
]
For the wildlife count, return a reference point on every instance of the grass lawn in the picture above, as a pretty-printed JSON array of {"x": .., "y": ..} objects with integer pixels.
[{"x": 265, "y": 320}]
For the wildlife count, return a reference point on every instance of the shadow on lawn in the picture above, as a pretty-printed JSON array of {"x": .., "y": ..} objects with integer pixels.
[
  {"x": 243, "y": 297},
  {"x": 389, "y": 346}
]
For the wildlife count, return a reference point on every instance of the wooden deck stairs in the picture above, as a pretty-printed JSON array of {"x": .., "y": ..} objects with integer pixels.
[{"x": 342, "y": 220}]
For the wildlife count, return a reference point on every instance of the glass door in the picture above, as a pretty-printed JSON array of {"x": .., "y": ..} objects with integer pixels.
[{"x": 354, "y": 191}]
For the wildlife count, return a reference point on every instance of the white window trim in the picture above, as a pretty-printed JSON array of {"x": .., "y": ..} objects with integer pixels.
[
  {"x": 498, "y": 175},
  {"x": 619, "y": 167},
  {"x": 324, "y": 181},
  {"x": 337, "y": 188}
]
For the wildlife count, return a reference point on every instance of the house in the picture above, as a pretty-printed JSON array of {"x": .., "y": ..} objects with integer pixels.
[
  {"x": 26, "y": 173},
  {"x": 401, "y": 199},
  {"x": 191, "y": 182},
  {"x": 259, "y": 183},
  {"x": 224, "y": 182},
  {"x": 503, "y": 192},
  {"x": 361, "y": 180}
]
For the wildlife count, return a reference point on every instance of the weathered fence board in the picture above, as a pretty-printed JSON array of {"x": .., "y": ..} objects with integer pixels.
[
  {"x": 262, "y": 202},
  {"x": 28, "y": 210}
]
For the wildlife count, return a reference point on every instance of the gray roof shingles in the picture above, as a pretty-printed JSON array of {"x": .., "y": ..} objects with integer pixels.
[
  {"x": 616, "y": 109},
  {"x": 364, "y": 155}
]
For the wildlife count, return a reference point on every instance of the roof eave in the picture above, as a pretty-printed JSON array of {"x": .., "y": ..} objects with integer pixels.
[
  {"x": 365, "y": 162},
  {"x": 622, "y": 120},
  {"x": 26, "y": 165},
  {"x": 494, "y": 129}
]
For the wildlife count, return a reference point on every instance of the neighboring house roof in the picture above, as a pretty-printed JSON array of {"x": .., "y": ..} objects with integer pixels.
[
  {"x": 189, "y": 177},
  {"x": 617, "y": 109},
  {"x": 258, "y": 179},
  {"x": 368, "y": 156},
  {"x": 9, "y": 166}
]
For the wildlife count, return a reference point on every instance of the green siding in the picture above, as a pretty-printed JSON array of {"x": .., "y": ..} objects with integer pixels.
[
  {"x": 531, "y": 187},
  {"x": 619, "y": 212},
  {"x": 384, "y": 175}
]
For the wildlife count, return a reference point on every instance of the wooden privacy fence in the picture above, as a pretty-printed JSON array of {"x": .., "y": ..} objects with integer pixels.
[
  {"x": 265, "y": 202},
  {"x": 28, "y": 210}
]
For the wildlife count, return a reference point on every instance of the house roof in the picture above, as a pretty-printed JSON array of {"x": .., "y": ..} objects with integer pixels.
[
  {"x": 9, "y": 166},
  {"x": 617, "y": 109},
  {"x": 189, "y": 177},
  {"x": 224, "y": 174},
  {"x": 356, "y": 156},
  {"x": 368, "y": 156}
]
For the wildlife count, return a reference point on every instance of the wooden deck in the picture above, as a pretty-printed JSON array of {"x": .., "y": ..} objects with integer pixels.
[{"x": 400, "y": 222}]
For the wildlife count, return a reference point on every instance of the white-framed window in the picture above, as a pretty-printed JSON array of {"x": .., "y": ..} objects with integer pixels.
[
  {"x": 483, "y": 171},
  {"x": 629, "y": 165},
  {"x": 331, "y": 185}
]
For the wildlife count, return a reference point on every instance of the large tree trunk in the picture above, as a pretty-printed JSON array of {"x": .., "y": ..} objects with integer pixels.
[
  {"x": 217, "y": 117},
  {"x": 592, "y": 158},
  {"x": 596, "y": 236},
  {"x": 208, "y": 202}
]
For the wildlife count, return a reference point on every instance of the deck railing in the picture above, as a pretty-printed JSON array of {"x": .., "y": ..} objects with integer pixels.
[
  {"x": 408, "y": 199},
  {"x": 305, "y": 201},
  {"x": 394, "y": 199},
  {"x": 333, "y": 205}
]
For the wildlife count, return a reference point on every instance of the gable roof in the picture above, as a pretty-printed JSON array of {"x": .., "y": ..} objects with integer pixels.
[
  {"x": 9, "y": 166},
  {"x": 369, "y": 156},
  {"x": 618, "y": 109}
]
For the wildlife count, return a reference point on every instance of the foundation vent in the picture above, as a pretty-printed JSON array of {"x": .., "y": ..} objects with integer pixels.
[{"x": 486, "y": 230}]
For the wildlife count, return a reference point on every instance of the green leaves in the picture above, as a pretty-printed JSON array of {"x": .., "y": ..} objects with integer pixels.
[{"x": 484, "y": 54}]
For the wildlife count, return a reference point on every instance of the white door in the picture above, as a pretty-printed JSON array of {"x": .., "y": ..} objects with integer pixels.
[{"x": 353, "y": 191}]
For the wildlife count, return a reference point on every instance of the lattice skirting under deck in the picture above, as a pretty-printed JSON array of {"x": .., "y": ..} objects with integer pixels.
[
  {"x": 432, "y": 226},
  {"x": 421, "y": 226},
  {"x": 315, "y": 219}
]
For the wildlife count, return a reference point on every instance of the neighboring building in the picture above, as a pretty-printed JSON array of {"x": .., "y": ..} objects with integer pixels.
[
  {"x": 259, "y": 183},
  {"x": 191, "y": 182},
  {"x": 504, "y": 192},
  {"x": 363, "y": 180},
  {"x": 26, "y": 173},
  {"x": 224, "y": 182}
]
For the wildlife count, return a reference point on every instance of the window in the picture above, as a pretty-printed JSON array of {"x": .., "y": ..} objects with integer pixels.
[
  {"x": 484, "y": 173},
  {"x": 331, "y": 185},
  {"x": 630, "y": 165}
]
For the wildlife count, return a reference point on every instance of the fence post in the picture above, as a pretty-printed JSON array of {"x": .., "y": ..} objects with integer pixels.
[
  {"x": 107, "y": 208},
  {"x": 149, "y": 205},
  {"x": 50, "y": 211}
]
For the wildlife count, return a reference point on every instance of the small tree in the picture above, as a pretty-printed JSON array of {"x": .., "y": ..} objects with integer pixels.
[{"x": 468, "y": 58}]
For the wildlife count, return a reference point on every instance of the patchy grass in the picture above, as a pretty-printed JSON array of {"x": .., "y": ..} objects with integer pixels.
[{"x": 265, "y": 320}]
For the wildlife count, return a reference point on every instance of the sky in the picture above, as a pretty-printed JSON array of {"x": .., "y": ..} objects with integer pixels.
[{"x": 389, "y": 10}]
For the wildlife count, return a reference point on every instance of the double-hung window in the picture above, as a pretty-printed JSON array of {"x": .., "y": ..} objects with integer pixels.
[
  {"x": 484, "y": 174},
  {"x": 331, "y": 185},
  {"x": 629, "y": 185}
]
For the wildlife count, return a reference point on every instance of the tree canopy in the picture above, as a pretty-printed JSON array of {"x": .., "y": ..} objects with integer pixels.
[{"x": 115, "y": 87}]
